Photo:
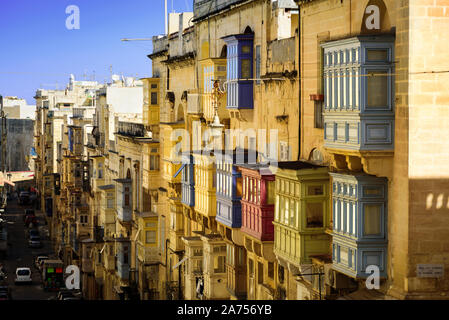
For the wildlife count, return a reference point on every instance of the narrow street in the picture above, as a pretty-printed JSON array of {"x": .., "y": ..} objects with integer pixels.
[{"x": 21, "y": 255}]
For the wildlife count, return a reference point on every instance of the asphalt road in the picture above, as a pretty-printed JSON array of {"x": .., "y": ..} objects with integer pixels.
[{"x": 20, "y": 255}]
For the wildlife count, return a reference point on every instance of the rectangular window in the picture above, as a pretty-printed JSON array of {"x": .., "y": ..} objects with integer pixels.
[
  {"x": 154, "y": 162},
  {"x": 252, "y": 144},
  {"x": 258, "y": 61},
  {"x": 270, "y": 192},
  {"x": 292, "y": 221},
  {"x": 125, "y": 255},
  {"x": 315, "y": 190},
  {"x": 285, "y": 151},
  {"x": 110, "y": 203},
  {"x": 259, "y": 273},
  {"x": 271, "y": 270},
  {"x": 319, "y": 118},
  {"x": 219, "y": 264},
  {"x": 372, "y": 219},
  {"x": 151, "y": 237},
  {"x": 251, "y": 267},
  {"x": 150, "y": 225},
  {"x": 238, "y": 187},
  {"x": 154, "y": 98},
  {"x": 126, "y": 196},
  {"x": 379, "y": 55},
  {"x": 246, "y": 69},
  {"x": 314, "y": 214},
  {"x": 377, "y": 89},
  {"x": 168, "y": 78}
]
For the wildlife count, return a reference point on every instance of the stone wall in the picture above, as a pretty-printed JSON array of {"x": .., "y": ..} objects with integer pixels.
[{"x": 19, "y": 143}]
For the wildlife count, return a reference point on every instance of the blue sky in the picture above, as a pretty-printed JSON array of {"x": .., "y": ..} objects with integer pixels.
[{"x": 38, "y": 51}]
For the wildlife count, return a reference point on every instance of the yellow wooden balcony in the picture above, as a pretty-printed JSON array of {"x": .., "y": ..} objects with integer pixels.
[
  {"x": 302, "y": 212},
  {"x": 109, "y": 262},
  {"x": 175, "y": 237},
  {"x": 205, "y": 202},
  {"x": 87, "y": 265},
  {"x": 169, "y": 170},
  {"x": 148, "y": 254},
  {"x": 98, "y": 271},
  {"x": 205, "y": 192},
  {"x": 151, "y": 99},
  {"x": 211, "y": 70}
]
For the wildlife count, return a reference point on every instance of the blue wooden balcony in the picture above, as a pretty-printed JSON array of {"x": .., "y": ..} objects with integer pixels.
[
  {"x": 123, "y": 258},
  {"x": 359, "y": 94},
  {"x": 240, "y": 71},
  {"x": 188, "y": 181},
  {"x": 229, "y": 185},
  {"x": 359, "y": 224}
]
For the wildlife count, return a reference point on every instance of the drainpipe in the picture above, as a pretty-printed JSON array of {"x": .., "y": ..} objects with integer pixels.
[{"x": 300, "y": 82}]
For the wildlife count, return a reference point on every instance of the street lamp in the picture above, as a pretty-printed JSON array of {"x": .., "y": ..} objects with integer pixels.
[{"x": 216, "y": 126}]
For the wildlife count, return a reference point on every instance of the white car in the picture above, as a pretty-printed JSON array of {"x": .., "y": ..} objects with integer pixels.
[
  {"x": 39, "y": 260},
  {"x": 23, "y": 275}
]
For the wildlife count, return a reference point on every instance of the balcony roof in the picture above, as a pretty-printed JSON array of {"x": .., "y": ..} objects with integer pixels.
[
  {"x": 263, "y": 168},
  {"x": 147, "y": 214},
  {"x": 297, "y": 165},
  {"x": 107, "y": 187},
  {"x": 123, "y": 180}
]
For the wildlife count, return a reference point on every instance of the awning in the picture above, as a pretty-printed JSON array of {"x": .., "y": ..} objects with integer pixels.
[
  {"x": 118, "y": 289},
  {"x": 137, "y": 235},
  {"x": 180, "y": 262},
  {"x": 180, "y": 169}
]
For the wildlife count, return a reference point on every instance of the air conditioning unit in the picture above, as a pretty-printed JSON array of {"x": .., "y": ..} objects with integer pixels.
[{"x": 336, "y": 279}]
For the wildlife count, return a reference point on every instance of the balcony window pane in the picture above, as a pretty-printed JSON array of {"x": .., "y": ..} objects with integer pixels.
[
  {"x": 238, "y": 187},
  {"x": 270, "y": 192},
  {"x": 377, "y": 54},
  {"x": 292, "y": 214},
  {"x": 286, "y": 212},
  {"x": 372, "y": 219},
  {"x": 246, "y": 69},
  {"x": 276, "y": 209},
  {"x": 151, "y": 237},
  {"x": 377, "y": 89},
  {"x": 315, "y": 190},
  {"x": 259, "y": 273},
  {"x": 150, "y": 225},
  {"x": 314, "y": 214},
  {"x": 153, "y": 98}
]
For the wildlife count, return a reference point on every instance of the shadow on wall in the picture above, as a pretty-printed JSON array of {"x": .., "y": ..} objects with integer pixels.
[{"x": 429, "y": 227}]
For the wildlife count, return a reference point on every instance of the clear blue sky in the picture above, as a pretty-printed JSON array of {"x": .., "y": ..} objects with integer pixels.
[{"x": 37, "y": 49}]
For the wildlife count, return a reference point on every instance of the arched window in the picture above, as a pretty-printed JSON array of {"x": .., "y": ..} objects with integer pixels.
[
  {"x": 180, "y": 113},
  {"x": 248, "y": 30},
  {"x": 224, "y": 52}
]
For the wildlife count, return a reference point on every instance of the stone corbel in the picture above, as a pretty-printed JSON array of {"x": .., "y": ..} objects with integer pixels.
[
  {"x": 379, "y": 165},
  {"x": 354, "y": 163},
  {"x": 237, "y": 237},
  {"x": 338, "y": 161}
]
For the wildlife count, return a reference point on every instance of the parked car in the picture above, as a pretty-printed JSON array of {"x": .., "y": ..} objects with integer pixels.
[
  {"x": 30, "y": 220},
  {"x": 35, "y": 242},
  {"x": 5, "y": 293},
  {"x": 23, "y": 275},
  {"x": 39, "y": 260},
  {"x": 33, "y": 197},
  {"x": 33, "y": 233},
  {"x": 24, "y": 197},
  {"x": 28, "y": 212},
  {"x": 68, "y": 295}
]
